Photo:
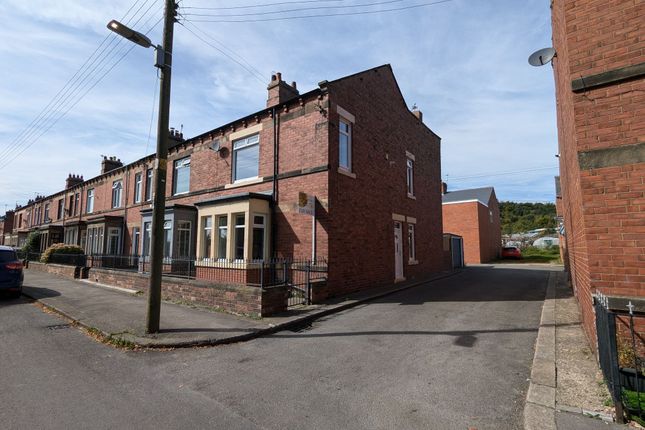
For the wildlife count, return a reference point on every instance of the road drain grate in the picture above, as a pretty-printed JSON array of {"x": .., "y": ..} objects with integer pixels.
[{"x": 58, "y": 326}]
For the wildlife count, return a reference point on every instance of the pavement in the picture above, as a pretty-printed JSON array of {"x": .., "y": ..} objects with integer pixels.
[
  {"x": 118, "y": 314},
  {"x": 542, "y": 410},
  {"x": 454, "y": 353}
]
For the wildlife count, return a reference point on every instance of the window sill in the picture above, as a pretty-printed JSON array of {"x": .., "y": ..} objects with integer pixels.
[
  {"x": 244, "y": 183},
  {"x": 413, "y": 262},
  {"x": 227, "y": 264},
  {"x": 346, "y": 173},
  {"x": 180, "y": 194},
  {"x": 412, "y": 196}
]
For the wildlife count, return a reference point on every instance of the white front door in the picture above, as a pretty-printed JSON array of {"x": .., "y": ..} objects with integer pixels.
[{"x": 398, "y": 251}]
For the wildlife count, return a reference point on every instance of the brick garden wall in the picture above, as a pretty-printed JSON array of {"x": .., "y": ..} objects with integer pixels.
[
  {"x": 71, "y": 272},
  {"x": 233, "y": 298}
]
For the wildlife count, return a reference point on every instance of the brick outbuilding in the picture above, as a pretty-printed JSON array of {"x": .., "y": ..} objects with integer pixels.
[{"x": 474, "y": 215}]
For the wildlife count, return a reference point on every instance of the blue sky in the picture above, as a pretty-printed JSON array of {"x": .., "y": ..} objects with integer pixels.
[{"x": 463, "y": 62}]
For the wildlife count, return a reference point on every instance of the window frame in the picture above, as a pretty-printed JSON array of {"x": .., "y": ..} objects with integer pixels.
[
  {"x": 409, "y": 175},
  {"x": 255, "y": 227},
  {"x": 181, "y": 228},
  {"x": 349, "y": 134},
  {"x": 239, "y": 230},
  {"x": 220, "y": 229},
  {"x": 89, "y": 203},
  {"x": 207, "y": 237},
  {"x": 149, "y": 179},
  {"x": 412, "y": 250},
  {"x": 117, "y": 191},
  {"x": 138, "y": 184},
  {"x": 182, "y": 163},
  {"x": 245, "y": 145}
]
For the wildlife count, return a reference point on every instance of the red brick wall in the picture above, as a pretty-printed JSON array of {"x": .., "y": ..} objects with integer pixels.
[
  {"x": 361, "y": 230},
  {"x": 55, "y": 269},
  {"x": 602, "y": 208},
  {"x": 231, "y": 298}
]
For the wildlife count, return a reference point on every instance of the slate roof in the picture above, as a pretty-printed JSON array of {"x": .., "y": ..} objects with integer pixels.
[{"x": 482, "y": 195}]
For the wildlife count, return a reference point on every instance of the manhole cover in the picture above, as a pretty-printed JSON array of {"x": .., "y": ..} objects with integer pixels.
[{"x": 58, "y": 326}]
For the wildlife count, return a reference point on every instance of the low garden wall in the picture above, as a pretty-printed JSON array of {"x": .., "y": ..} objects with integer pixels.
[
  {"x": 233, "y": 298},
  {"x": 72, "y": 272}
]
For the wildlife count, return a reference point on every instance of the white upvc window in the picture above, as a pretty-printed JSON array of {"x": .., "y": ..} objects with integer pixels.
[
  {"x": 137, "y": 187},
  {"x": 90, "y": 201},
  {"x": 259, "y": 231},
  {"x": 148, "y": 185},
  {"x": 136, "y": 239},
  {"x": 410, "y": 176},
  {"x": 181, "y": 178},
  {"x": 239, "y": 240},
  {"x": 411, "y": 244},
  {"x": 222, "y": 236},
  {"x": 207, "y": 236},
  {"x": 246, "y": 158},
  {"x": 345, "y": 144},
  {"x": 117, "y": 188}
]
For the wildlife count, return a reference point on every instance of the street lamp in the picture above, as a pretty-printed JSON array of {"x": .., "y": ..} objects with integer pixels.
[
  {"x": 133, "y": 36},
  {"x": 164, "y": 63}
]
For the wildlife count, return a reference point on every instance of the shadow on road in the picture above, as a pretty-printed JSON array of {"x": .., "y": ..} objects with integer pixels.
[{"x": 40, "y": 292}]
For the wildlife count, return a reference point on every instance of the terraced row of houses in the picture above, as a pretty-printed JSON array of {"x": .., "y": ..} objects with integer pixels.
[{"x": 346, "y": 174}]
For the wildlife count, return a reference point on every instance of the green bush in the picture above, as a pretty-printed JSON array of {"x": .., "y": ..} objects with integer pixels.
[
  {"x": 60, "y": 249},
  {"x": 32, "y": 244}
]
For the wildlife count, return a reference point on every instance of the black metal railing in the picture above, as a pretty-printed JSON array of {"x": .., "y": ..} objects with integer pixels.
[{"x": 621, "y": 348}]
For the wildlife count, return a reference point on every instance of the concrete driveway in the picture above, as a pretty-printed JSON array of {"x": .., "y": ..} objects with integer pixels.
[{"x": 452, "y": 354}]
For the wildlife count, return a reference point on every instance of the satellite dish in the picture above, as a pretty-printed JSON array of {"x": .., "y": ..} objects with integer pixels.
[
  {"x": 215, "y": 146},
  {"x": 541, "y": 57}
]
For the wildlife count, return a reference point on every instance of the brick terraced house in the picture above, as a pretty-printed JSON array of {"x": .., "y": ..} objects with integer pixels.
[
  {"x": 349, "y": 151},
  {"x": 599, "y": 73},
  {"x": 474, "y": 215}
]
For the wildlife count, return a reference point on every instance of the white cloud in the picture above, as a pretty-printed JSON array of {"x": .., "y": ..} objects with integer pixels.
[{"x": 463, "y": 63}]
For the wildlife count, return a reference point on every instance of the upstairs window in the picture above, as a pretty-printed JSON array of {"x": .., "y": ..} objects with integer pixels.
[
  {"x": 61, "y": 207},
  {"x": 345, "y": 145},
  {"x": 137, "y": 187},
  {"x": 410, "y": 176},
  {"x": 148, "y": 185},
  {"x": 246, "y": 158},
  {"x": 90, "y": 201},
  {"x": 117, "y": 188},
  {"x": 77, "y": 203},
  {"x": 181, "y": 179},
  {"x": 46, "y": 212}
]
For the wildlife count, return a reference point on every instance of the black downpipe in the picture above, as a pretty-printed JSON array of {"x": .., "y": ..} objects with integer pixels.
[{"x": 274, "y": 191}]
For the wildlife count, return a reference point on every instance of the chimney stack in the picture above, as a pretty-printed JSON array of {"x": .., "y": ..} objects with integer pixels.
[
  {"x": 73, "y": 180},
  {"x": 110, "y": 163},
  {"x": 416, "y": 112},
  {"x": 280, "y": 91},
  {"x": 444, "y": 188}
]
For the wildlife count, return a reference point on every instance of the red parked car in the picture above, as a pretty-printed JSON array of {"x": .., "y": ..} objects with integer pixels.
[{"x": 511, "y": 252}]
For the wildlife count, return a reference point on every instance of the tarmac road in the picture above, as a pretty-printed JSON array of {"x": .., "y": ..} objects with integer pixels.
[{"x": 452, "y": 354}]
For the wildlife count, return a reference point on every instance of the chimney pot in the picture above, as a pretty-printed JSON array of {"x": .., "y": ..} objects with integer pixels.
[
  {"x": 279, "y": 76},
  {"x": 444, "y": 188}
]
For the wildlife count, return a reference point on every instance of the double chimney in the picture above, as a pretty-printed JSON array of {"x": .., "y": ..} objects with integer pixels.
[{"x": 280, "y": 91}]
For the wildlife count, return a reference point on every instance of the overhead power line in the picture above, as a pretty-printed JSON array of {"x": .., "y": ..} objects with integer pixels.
[
  {"x": 274, "y": 12},
  {"x": 93, "y": 66},
  {"x": 321, "y": 15},
  {"x": 242, "y": 62},
  {"x": 262, "y": 5},
  {"x": 74, "y": 103},
  {"x": 487, "y": 175}
]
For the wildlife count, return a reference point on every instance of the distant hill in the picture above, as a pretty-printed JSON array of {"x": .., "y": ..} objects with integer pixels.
[{"x": 521, "y": 217}]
